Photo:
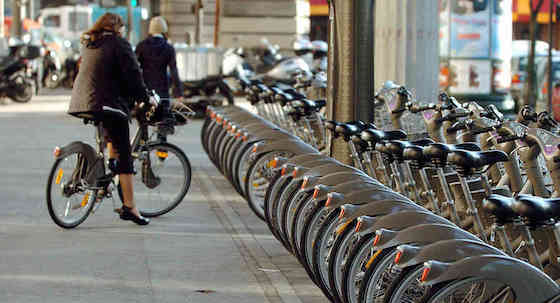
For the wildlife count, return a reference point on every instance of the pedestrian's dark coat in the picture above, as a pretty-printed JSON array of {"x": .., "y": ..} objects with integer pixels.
[
  {"x": 109, "y": 75},
  {"x": 155, "y": 55}
]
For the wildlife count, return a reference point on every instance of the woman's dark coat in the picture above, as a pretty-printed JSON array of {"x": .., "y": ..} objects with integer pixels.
[{"x": 109, "y": 75}]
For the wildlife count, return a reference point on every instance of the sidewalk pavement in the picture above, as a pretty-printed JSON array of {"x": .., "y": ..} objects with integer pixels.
[{"x": 211, "y": 248}]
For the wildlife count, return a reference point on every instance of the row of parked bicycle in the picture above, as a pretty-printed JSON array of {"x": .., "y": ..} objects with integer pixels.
[{"x": 463, "y": 214}]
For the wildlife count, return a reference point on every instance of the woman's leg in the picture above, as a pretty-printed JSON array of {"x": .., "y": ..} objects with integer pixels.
[
  {"x": 125, "y": 162},
  {"x": 128, "y": 192}
]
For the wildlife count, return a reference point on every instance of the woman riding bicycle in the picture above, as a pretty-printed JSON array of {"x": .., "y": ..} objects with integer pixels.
[{"x": 108, "y": 83}]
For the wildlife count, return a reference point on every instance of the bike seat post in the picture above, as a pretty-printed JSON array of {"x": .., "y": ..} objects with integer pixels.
[
  {"x": 368, "y": 164},
  {"x": 472, "y": 210},
  {"x": 500, "y": 230},
  {"x": 448, "y": 197},
  {"x": 99, "y": 138},
  {"x": 529, "y": 244},
  {"x": 355, "y": 155}
]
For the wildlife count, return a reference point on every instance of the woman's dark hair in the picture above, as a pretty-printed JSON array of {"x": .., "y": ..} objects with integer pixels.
[{"x": 109, "y": 22}]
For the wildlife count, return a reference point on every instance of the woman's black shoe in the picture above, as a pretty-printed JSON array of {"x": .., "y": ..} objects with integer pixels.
[{"x": 126, "y": 214}]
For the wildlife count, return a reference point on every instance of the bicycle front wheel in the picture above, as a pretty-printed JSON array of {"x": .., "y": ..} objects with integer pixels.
[
  {"x": 471, "y": 290},
  {"x": 69, "y": 199},
  {"x": 163, "y": 178}
]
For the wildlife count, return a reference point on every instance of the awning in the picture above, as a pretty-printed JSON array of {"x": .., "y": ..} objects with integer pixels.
[
  {"x": 319, "y": 7},
  {"x": 522, "y": 13}
]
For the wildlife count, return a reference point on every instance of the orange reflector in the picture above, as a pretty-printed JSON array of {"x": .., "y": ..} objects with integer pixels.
[
  {"x": 57, "y": 151},
  {"x": 294, "y": 173},
  {"x": 341, "y": 215},
  {"x": 358, "y": 226},
  {"x": 283, "y": 171},
  {"x": 376, "y": 240},
  {"x": 368, "y": 264},
  {"x": 342, "y": 227},
  {"x": 219, "y": 119},
  {"x": 304, "y": 184},
  {"x": 244, "y": 138},
  {"x": 255, "y": 148},
  {"x": 425, "y": 273},
  {"x": 213, "y": 115},
  {"x": 315, "y": 193},
  {"x": 398, "y": 257},
  {"x": 162, "y": 154},
  {"x": 274, "y": 163},
  {"x": 329, "y": 199},
  {"x": 85, "y": 199},
  {"x": 237, "y": 135},
  {"x": 59, "y": 176}
]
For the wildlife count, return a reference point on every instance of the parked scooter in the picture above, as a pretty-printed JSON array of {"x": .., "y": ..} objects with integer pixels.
[
  {"x": 16, "y": 73},
  {"x": 57, "y": 74}
]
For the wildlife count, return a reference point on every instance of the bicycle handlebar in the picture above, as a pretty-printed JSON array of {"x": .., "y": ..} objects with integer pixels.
[
  {"x": 416, "y": 108},
  {"x": 453, "y": 116},
  {"x": 507, "y": 139}
]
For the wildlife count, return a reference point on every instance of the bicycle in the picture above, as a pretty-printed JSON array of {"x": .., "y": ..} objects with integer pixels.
[{"x": 79, "y": 174}]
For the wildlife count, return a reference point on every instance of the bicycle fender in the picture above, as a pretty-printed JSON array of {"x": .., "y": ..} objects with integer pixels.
[
  {"x": 393, "y": 219},
  {"x": 332, "y": 179},
  {"x": 344, "y": 187},
  {"x": 366, "y": 196},
  {"x": 380, "y": 210},
  {"x": 529, "y": 283},
  {"x": 304, "y": 158},
  {"x": 293, "y": 145},
  {"x": 324, "y": 169},
  {"x": 95, "y": 167},
  {"x": 444, "y": 251},
  {"x": 422, "y": 234}
]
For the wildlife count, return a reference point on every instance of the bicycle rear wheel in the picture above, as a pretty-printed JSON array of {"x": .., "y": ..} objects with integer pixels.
[
  {"x": 162, "y": 180},
  {"x": 69, "y": 200}
]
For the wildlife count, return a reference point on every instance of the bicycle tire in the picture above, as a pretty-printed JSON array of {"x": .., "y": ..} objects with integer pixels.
[
  {"x": 184, "y": 186},
  {"x": 408, "y": 281},
  {"x": 439, "y": 291},
  {"x": 359, "y": 253},
  {"x": 374, "y": 274},
  {"x": 321, "y": 248},
  {"x": 55, "y": 177},
  {"x": 341, "y": 246}
]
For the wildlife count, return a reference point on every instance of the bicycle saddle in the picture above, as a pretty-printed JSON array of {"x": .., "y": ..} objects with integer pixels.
[
  {"x": 350, "y": 129},
  {"x": 397, "y": 147},
  {"x": 467, "y": 162},
  {"x": 113, "y": 113},
  {"x": 438, "y": 152},
  {"x": 359, "y": 142},
  {"x": 501, "y": 207},
  {"x": 537, "y": 210},
  {"x": 320, "y": 103},
  {"x": 331, "y": 124},
  {"x": 373, "y": 136},
  {"x": 415, "y": 154}
]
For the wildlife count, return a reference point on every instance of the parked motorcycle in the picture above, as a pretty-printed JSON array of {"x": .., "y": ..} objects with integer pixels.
[
  {"x": 57, "y": 74},
  {"x": 16, "y": 73}
]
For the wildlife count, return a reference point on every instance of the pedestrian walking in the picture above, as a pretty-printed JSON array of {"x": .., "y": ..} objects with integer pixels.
[{"x": 156, "y": 56}]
